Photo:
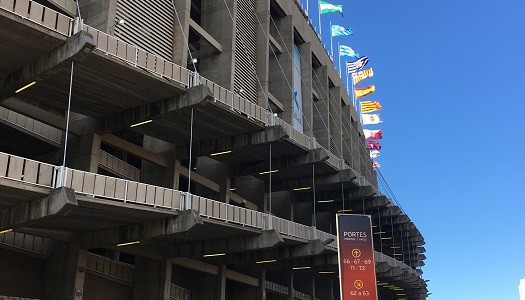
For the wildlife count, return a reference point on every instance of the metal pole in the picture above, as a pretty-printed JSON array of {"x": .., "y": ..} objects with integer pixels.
[
  {"x": 339, "y": 52},
  {"x": 191, "y": 143},
  {"x": 313, "y": 189},
  {"x": 331, "y": 42},
  {"x": 270, "y": 183},
  {"x": 319, "y": 13},
  {"x": 343, "y": 196},
  {"x": 67, "y": 121}
]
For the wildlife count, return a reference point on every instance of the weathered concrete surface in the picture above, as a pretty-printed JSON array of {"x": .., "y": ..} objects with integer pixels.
[
  {"x": 144, "y": 231},
  {"x": 198, "y": 95},
  {"x": 59, "y": 202},
  {"x": 75, "y": 48},
  {"x": 267, "y": 239}
]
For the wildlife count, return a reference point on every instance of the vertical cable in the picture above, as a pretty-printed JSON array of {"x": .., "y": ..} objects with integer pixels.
[
  {"x": 343, "y": 196},
  {"x": 191, "y": 144},
  {"x": 379, "y": 224},
  {"x": 270, "y": 183},
  {"x": 67, "y": 122},
  {"x": 313, "y": 189},
  {"x": 184, "y": 35}
]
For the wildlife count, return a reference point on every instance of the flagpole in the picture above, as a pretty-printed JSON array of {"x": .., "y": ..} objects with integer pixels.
[
  {"x": 339, "y": 52},
  {"x": 331, "y": 42},
  {"x": 319, "y": 13},
  {"x": 307, "y": 13}
]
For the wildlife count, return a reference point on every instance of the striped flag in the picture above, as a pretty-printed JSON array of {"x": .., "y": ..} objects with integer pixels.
[
  {"x": 370, "y": 106},
  {"x": 374, "y": 153},
  {"x": 340, "y": 30},
  {"x": 373, "y": 145},
  {"x": 347, "y": 51},
  {"x": 373, "y": 134},
  {"x": 369, "y": 119},
  {"x": 352, "y": 67},
  {"x": 376, "y": 165},
  {"x": 326, "y": 7},
  {"x": 361, "y": 92},
  {"x": 361, "y": 75}
]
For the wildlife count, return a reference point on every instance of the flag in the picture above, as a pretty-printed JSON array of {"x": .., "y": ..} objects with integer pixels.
[
  {"x": 340, "y": 30},
  {"x": 361, "y": 75},
  {"x": 352, "y": 67},
  {"x": 325, "y": 7},
  {"x": 373, "y": 134},
  {"x": 370, "y": 106},
  {"x": 361, "y": 92},
  {"x": 369, "y": 119},
  {"x": 373, "y": 145},
  {"x": 376, "y": 165},
  {"x": 374, "y": 153},
  {"x": 347, "y": 51}
]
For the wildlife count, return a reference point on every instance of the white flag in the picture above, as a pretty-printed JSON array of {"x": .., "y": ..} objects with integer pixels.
[
  {"x": 374, "y": 153},
  {"x": 370, "y": 119}
]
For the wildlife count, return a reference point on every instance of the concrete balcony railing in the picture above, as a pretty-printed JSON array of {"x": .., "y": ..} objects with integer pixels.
[
  {"x": 127, "y": 191},
  {"x": 27, "y": 242},
  {"x": 154, "y": 64},
  {"x": 179, "y": 293},
  {"x": 107, "y": 267},
  {"x": 119, "y": 166},
  {"x": 38, "y": 128}
]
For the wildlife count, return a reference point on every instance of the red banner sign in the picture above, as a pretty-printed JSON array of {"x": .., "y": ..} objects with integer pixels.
[{"x": 357, "y": 275}]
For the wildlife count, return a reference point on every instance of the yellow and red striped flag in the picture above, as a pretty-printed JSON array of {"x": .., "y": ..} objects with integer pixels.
[
  {"x": 361, "y": 92},
  {"x": 370, "y": 106},
  {"x": 361, "y": 75}
]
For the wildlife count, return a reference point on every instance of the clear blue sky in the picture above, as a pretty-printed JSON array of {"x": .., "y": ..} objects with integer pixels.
[{"x": 450, "y": 77}]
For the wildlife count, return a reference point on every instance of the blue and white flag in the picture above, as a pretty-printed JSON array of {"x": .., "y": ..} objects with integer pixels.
[
  {"x": 347, "y": 51},
  {"x": 352, "y": 67},
  {"x": 340, "y": 30}
]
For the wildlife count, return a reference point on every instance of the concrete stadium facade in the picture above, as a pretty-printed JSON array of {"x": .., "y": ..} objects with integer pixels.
[{"x": 185, "y": 176}]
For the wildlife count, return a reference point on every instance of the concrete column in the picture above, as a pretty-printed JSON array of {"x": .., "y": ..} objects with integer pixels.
[
  {"x": 281, "y": 67},
  {"x": 221, "y": 283},
  {"x": 349, "y": 153},
  {"x": 321, "y": 109},
  {"x": 312, "y": 293},
  {"x": 153, "y": 173},
  {"x": 306, "y": 88},
  {"x": 216, "y": 172},
  {"x": 180, "y": 42},
  {"x": 65, "y": 271},
  {"x": 83, "y": 153},
  {"x": 261, "y": 289},
  {"x": 335, "y": 120},
  {"x": 152, "y": 279},
  {"x": 98, "y": 13},
  {"x": 217, "y": 22},
  {"x": 263, "y": 48},
  {"x": 290, "y": 286}
]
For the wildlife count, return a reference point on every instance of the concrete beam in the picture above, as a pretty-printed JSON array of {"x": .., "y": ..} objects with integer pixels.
[
  {"x": 131, "y": 148},
  {"x": 67, "y": 6},
  {"x": 290, "y": 184},
  {"x": 267, "y": 239},
  {"x": 39, "y": 114},
  {"x": 143, "y": 232},
  {"x": 238, "y": 142},
  {"x": 59, "y": 202},
  {"x": 205, "y": 35},
  {"x": 197, "y": 95},
  {"x": 313, "y": 156},
  {"x": 76, "y": 47}
]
